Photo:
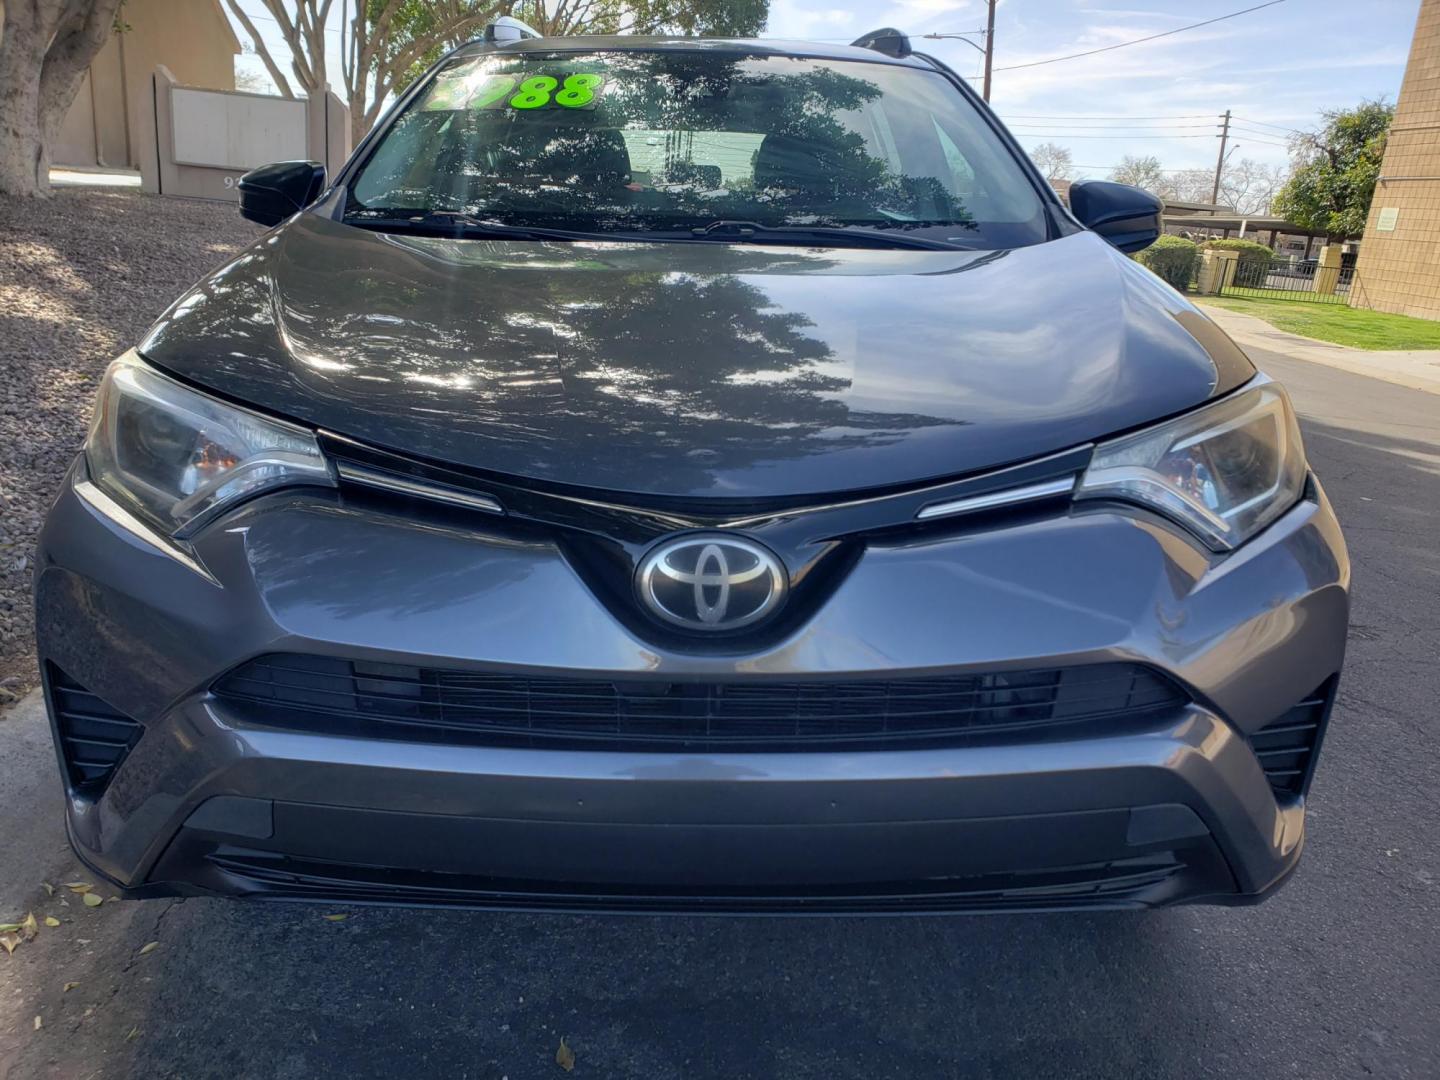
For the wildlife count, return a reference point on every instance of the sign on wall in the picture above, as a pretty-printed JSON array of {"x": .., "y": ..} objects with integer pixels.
[{"x": 235, "y": 131}]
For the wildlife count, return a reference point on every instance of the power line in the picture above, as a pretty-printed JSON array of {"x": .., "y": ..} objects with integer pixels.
[
  {"x": 1278, "y": 127},
  {"x": 1122, "y": 127},
  {"x": 1139, "y": 41},
  {"x": 1034, "y": 116},
  {"x": 269, "y": 19},
  {"x": 1120, "y": 135},
  {"x": 1268, "y": 135},
  {"x": 1257, "y": 139}
]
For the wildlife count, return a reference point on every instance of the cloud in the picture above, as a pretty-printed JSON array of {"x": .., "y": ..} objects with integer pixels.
[
  {"x": 1349, "y": 54},
  {"x": 796, "y": 19}
]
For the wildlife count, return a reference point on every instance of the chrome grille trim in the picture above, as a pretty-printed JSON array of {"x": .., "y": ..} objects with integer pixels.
[
  {"x": 992, "y": 500},
  {"x": 419, "y": 489}
]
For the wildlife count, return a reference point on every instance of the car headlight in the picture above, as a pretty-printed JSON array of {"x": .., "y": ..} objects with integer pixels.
[
  {"x": 1224, "y": 471},
  {"x": 178, "y": 458}
]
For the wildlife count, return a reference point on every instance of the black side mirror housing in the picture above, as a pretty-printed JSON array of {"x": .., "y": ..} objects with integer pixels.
[
  {"x": 271, "y": 193},
  {"x": 1128, "y": 217}
]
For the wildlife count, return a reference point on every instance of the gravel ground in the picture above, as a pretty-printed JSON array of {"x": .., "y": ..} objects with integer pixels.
[{"x": 82, "y": 276}]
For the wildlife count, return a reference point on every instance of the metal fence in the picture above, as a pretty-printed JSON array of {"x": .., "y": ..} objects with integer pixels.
[{"x": 1300, "y": 280}]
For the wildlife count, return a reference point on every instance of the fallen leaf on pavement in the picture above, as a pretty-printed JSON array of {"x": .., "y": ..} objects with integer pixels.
[
  {"x": 49, "y": 889},
  {"x": 51, "y": 920},
  {"x": 149, "y": 948},
  {"x": 79, "y": 886},
  {"x": 30, "y": 928},
  {"x": 565, "y": 1057},
  {"x": 68, "y": 987},
  {"x": 8, "y": 942},
  {"x": 8, "y": 927},
  {"x": 335, "y": 918},
  {"x": 134, "y": 1031},
  {"x": 39, "y": 1023},
  {"x": 91, "y": 900}
]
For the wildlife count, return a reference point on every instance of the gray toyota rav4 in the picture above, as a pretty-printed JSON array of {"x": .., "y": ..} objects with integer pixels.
[{"x": 690, "y": 475}]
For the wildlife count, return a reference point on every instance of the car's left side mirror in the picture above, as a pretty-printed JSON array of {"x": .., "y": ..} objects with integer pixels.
[
  {"x": 1128, "y": 217},
  {"x": 271, "y": 193}
]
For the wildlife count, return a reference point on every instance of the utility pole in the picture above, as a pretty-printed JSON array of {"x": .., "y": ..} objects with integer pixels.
[
  {"x": 1220, "y": 162},
  {"x": 989, "y": 49},
  {"x": 989, "y": 45}
]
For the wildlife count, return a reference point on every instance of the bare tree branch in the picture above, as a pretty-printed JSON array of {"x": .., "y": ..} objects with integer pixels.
[{"x": 261, "y": 49}]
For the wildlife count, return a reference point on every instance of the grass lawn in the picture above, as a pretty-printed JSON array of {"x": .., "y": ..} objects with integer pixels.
[{"x": 1337, "y": 323}]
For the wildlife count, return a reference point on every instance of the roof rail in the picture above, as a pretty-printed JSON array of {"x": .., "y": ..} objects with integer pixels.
[
  {"x": 886, "y": 40},
  {"x": 506, "y": 29}
]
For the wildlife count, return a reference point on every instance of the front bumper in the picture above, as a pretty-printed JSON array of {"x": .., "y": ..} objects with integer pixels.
[{"x": 214, "y": 799}]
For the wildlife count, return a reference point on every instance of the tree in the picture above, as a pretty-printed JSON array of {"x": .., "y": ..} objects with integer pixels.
[
  {"x": 387, "y": 44},
  {"x": 381, "y": 42},
  {"x": 1250, "y": 186},
  {"x": 1190, "y": 185},
  {"x": 1336, "y": 169},
  {"x": 1247, "y": 186},
  {"x": 1141, "y": 172},
  {"x": 1054, "y": 162},
  {"x": 720, "y": 18},
  {"x": 45, "y": 49}
]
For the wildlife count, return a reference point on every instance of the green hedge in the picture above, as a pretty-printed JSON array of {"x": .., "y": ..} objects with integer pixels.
[
  {"x": 1251, "y": 253},
  {"x": 1173, "y": 259}
]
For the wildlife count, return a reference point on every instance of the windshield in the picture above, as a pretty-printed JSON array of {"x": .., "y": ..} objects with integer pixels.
[{"x": 680, "y": 140}]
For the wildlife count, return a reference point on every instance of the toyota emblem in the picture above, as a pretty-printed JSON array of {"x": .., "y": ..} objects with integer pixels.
[{"x": 711, "y": 582}]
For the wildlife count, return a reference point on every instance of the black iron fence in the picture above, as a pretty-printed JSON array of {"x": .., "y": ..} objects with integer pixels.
[{"x": 1302, "y": 280}]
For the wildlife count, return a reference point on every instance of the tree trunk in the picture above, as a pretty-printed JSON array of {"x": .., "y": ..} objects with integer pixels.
[
  {"x": 24, "y": 164},
  {"x": 45, "y": 50},
  {"x": 359, "y": 125}
]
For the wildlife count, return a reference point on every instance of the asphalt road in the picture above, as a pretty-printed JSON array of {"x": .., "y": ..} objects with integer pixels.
[{"x": 1337, "y": 976}]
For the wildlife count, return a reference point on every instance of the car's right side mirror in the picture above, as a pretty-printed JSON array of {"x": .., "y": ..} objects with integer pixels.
[
  {"x": 271, "y": 193},
  {"x": 1128, "y": 217}
]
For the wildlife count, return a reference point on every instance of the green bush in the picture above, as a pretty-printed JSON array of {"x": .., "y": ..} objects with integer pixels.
[
  {"x": 1251, "y": 254},
  {"x": 1173, "y": 259}
]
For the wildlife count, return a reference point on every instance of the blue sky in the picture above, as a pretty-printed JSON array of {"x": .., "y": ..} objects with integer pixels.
[{"x": 1279, "y": 66}]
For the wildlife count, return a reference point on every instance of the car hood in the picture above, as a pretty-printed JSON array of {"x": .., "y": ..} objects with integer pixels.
[{"x": 722, "y": 370}]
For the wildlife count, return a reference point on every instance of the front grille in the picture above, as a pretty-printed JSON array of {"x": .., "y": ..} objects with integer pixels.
[
  {"x": 94, "y": 735},
  {"x": 1288, "y": 747},
  {"x": 388, "y": 700},
  {"x": 1134, "y": 882}
]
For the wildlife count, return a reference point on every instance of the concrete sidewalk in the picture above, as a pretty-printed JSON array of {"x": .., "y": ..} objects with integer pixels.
[
  {"x": 76, "y": 176},
  {"x": 1418, "y": 369},
  {"x": 33, "y": 847}
]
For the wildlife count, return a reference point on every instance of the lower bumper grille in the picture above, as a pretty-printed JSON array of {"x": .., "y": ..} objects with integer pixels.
[
  {"x": 389, "y": 700},
  {"x": 1288, "y": 747},
  {"x": 1141, "y": 881},
  {"x": 94, "y": 735}
]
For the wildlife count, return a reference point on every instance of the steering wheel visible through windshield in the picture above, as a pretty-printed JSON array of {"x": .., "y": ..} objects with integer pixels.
[{"x": 680, "y": 140}]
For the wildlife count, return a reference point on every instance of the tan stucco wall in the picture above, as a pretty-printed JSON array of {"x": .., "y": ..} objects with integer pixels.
[
  {"x": 1399, "y": 269},
  {"x": 76, "y": 145},
  {"x": 192, "y": 38}
]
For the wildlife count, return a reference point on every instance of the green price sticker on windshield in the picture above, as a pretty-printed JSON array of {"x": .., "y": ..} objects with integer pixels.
[{"x": 580, "y": 90}]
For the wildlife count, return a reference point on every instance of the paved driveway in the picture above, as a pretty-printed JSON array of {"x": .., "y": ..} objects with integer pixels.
[{"x": 1338, "y": 976}]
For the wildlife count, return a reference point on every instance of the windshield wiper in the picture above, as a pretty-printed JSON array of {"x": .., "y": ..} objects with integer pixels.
[
  {"x": 460, "y": 225},
  {"x": 463, "y": 226},
  {"x": 868, "y": 236}
]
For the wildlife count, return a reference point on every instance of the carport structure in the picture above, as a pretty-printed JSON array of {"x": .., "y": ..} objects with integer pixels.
[{"x": 1227, "y": 222}]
